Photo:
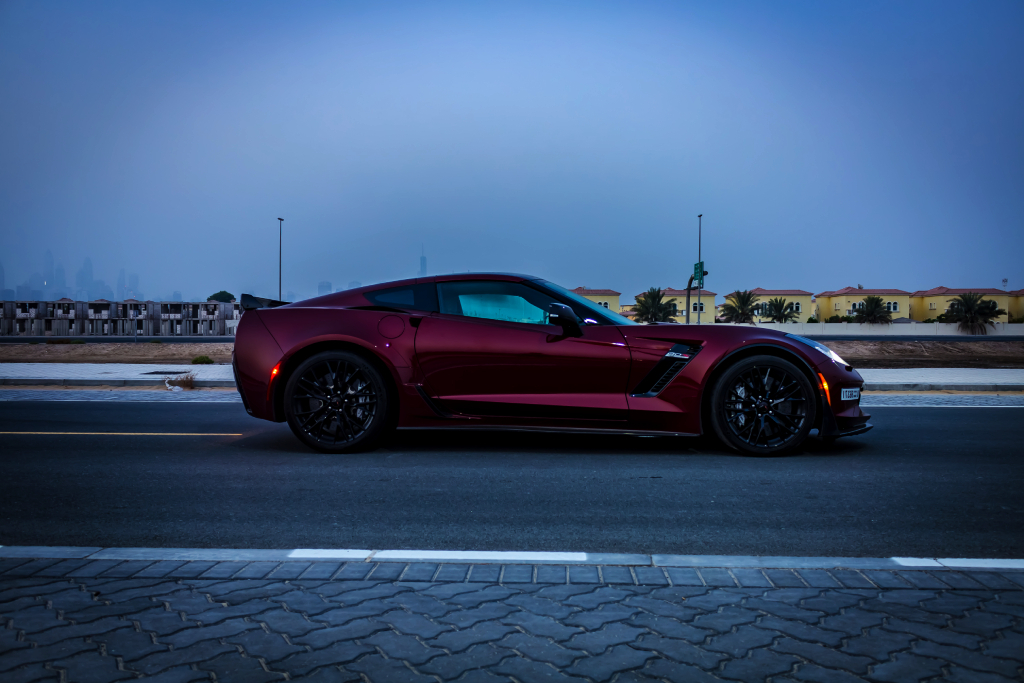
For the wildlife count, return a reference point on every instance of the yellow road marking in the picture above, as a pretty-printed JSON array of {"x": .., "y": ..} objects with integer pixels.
[{"x": 118, "y": 434}]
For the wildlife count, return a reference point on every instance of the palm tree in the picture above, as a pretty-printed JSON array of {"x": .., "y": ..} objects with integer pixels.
[
  {"x": 872, "y": 311},
  {"x": 972, "y": 314},
  {"x": 778, "y": 311},
  {"x": 739, "y": 307},
  {"x": 650, "y": 308}
]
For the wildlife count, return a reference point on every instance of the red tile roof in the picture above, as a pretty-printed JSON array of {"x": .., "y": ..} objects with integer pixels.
[
  {"x": 864, "y": 292},
  {"x": 940, "y": 291},
  {"x": 1016, "y": 292},
  {"x": 583, "y": 291},
  {"x": 780, "y": 292}
]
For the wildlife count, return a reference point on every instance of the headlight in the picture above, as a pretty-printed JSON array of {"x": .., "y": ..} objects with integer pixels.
[{"x": 818, "y": 346}]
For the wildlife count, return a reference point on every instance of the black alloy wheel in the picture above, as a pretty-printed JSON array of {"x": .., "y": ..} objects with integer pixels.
[
  {"x": 763, "y": 405},
  {"x": 337, "y": 402}
]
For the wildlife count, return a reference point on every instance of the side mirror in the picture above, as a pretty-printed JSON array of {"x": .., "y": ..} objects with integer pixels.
[{"x": 564, "y": 317}]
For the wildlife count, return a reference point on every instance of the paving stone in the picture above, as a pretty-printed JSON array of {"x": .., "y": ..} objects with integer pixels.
[
  {"x": 1009, "y": 646},
  {"x": 923, "y": 579},
  {"x": 905, "y": 667},
  {"x": 982, "y": 623},
  {"x": 218, "y": 613},
  {"x": 824, "y": 656},
  {"x": 849, "y": 578},
  {"x": 36, "y": 618},
  {"x": 414, "y": 624},
  {"x": 91, "y": 667},
  {"x": 61, "y": 569},
  {"x": 670, "y": 628},
  {"x": 540, "y": 625},
  {"x": 596, "y": 618},
  {"x": 374, "y": 592},
  {"x": 418, "y": 603},
  {"x": 1016, "y": 577},
  {"x": 956, "y": 605},
  {"x": 783, "y": 610},
  {"x": 481, "y": 676},
  {"x": 757, "y": 666},
  {"x": 616, "y": 659},
  {"x": 664, "y": 670},
  {"x": 741, "y": 641},
  {"x": 234, "y": 668},
  {"x": 290, "y": 570},
  {"x": 935, "y": 634},
  {"x": 257, "y": 570},
  {"x": 596, "y": 642},
  {"x": 485, "y": 573},
  {"x": 468, "y": 617},
  {"x": 34, "y": 566},
  {"x": 958, "y": 674},
  {"x": 529, "y": 671},
  {"x": 966, "y": 658},
  {"x": 320, "y": 570},
  {"x": 353, "y": 571},
  {"x": 406, "y": 648},
  {"x": 541, "y": 649},
  {"x": 159, "y": 621},
  {"x": 380, "y": 670},
  {"x": 684, "y": 576},
  {"x": 801, "y": 630},
  {"x": 484, "y": 632},
  {"x": 816, "y": 578},
  {"x": 831, "y": 602},
  {"x": 179, "y": 674},
  {"x": 201, "y": 652},
  {"x": 159, "y": 570},
  {"x": 650, "y": 576},
  {"x": 750, "y": 577},
  {"x": 886, "y": 579},
  {"x": 993, "y": 580},
  {"x": 452, "y": 572},
  {"x": 31, "y": 674},
  {"x": 852, "y": 622},
  {"x": 714, "y": 576},
  {"x": 664, "y": 608},
  {"x": 617, "y": 575},
  {"x": 288, "y": 623},
  {"x": 785, "y": 578},
  {"x": 337, "y": 654},
  {"x": 153, "y": 588},
  {"x": 680, "y": 651},
  {"x": 812, "y": 673},
  {"x": 715, "y": 598},
  {"x": 541, "y": 606},
  {"x": 387, "y": 571},
  {"x": 191, "y": 570},
  {"x": 242, "y": 590},
  {"x": 188, "y": 637},
  {"x": 129, "y": 644},
  {"x": 596, "y": 597},
  {"x": 127, "y": 568},
  {"x": 725, "y": 619},
  {"x": 343, "y": 615},
  {"x": 552, "y": 573},
  {"x": 330, "y": 674},
  {"x": 475, "y": 658},
  {"x": 565, "y": 593},
  {"x": 479, "y": 597},
  {"x": 9, "y": 564},
  {"x": 878, "y": 644},
  {"x": 301, "y": 601},
  {"x": 260, "y": 644},
  {"x": 419, "y": 571},
  {"x": 517, "y": 573},
  {"x": 360, "y": 628}
]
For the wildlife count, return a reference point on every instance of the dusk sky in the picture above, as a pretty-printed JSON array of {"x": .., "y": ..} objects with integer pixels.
[{"x": 827, "y": 144}]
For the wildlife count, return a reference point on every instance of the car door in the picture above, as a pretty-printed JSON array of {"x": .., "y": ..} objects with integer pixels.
[{"x": 491, "y": 352}]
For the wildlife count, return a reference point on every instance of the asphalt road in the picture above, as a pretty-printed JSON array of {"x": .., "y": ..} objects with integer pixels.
[{"x": 926, "y": 482}]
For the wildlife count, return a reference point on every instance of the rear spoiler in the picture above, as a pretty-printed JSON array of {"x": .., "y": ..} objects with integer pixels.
[{"x": 251, "y": 303}]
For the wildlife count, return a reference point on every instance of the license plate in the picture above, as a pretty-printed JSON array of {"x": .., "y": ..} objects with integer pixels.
[{"x": 850, "y": 394}]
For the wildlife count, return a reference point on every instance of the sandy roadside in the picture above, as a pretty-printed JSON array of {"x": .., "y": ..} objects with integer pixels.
[{"x": 140, "y": 352}]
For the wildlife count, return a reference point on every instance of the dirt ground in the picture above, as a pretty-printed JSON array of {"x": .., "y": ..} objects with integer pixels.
[
  {"x": 930, "y": 354},
  {"x": 140, "y": 352},
  {"x": 861, "y": 354}
]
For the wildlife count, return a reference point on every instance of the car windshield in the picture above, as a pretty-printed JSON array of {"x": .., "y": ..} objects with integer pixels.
[{"x": 603, "y": 314}]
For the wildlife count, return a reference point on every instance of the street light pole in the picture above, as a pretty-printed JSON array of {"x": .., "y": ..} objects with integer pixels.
[
  {"x": 280, "y": 242},
  {"x": 700, "y": 286}
]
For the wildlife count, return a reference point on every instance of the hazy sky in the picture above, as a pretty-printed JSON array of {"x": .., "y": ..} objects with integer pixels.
[{"x": 827, "y": 144}]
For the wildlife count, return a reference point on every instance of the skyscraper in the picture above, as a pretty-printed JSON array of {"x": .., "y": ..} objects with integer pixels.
[
  {"x": 323, "y": 288},
  {"x": 423, "y": 263}
]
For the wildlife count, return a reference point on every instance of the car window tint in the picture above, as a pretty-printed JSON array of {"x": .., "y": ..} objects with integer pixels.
[
  {"x": 508, "y": 301},
  {"x": 421, "y": 297}
]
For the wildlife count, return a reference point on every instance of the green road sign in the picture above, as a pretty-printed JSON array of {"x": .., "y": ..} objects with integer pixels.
[{"x": 698, "y": 274}]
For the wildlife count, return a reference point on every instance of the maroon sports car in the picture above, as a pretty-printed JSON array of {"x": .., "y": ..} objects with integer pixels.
[{"x": 500, "y": 351}]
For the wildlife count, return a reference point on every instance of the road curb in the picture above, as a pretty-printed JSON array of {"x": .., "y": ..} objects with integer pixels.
[{"x": 915, "y": 386}]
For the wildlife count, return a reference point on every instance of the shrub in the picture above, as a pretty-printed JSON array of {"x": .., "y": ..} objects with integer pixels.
[
  {"x": 58, "y": 341},
  {"x": 812, "y": 319},
  {"x": 77, "y": 341},
  {"x": 202, "y": 360},
  {"x": 155, "y": 341},
  {"x": 185, "y": 381}
]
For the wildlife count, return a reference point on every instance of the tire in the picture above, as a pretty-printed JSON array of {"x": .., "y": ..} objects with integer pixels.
[
  {"x": 337, "y": 402},
  {"x": 763, "y": 405}
]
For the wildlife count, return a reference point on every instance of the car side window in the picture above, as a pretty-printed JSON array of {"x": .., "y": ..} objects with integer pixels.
[
  {"x": 421, "y": 297},
  {"x": 494, "y": 300}
]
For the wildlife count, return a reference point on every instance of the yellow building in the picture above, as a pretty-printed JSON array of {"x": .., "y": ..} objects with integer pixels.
[
  {"x": 931, "y": 303},
  {"x": 1016, "y": 306},
  {"x": 845, "y": 301},
  {"x": 707, "y": 305},
  {"x": 803, "y": 302},
  {"x": 608, "y": 298}
]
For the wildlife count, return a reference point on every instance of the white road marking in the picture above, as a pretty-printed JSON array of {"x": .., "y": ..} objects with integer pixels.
[
  {"x": 471, "y": 556},
  {"x": 328, "y": 554}
]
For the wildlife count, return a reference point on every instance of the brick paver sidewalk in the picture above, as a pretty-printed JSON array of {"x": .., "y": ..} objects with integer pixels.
[{"x": 109, "y": 620}]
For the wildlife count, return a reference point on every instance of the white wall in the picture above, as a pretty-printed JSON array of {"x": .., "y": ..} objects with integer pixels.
[{"x": 911, "y": 329}]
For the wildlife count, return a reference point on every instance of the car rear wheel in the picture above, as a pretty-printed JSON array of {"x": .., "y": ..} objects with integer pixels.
[
  {"x": 763, "y": 405},
  {"x": 337, "y": 402}
]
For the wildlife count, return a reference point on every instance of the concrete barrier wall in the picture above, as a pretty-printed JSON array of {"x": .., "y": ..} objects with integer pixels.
[{"x": 896, "y": 329}]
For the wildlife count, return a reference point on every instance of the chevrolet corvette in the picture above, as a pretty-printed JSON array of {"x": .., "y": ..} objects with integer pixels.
[{"x": 503, "y": 351}]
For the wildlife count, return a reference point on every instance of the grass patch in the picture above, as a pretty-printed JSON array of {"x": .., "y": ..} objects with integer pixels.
[
  {"x": 155, "y": 341},
  {"x": 202, "y": 360}
]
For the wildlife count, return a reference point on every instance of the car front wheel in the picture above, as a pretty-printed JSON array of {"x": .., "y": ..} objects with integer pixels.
[
  {"x": 337, "y": 402},
  {"x": 763, "y": 405}
]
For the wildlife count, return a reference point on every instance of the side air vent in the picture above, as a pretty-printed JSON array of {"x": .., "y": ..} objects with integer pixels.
[{"x": 670, "y": 365}]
